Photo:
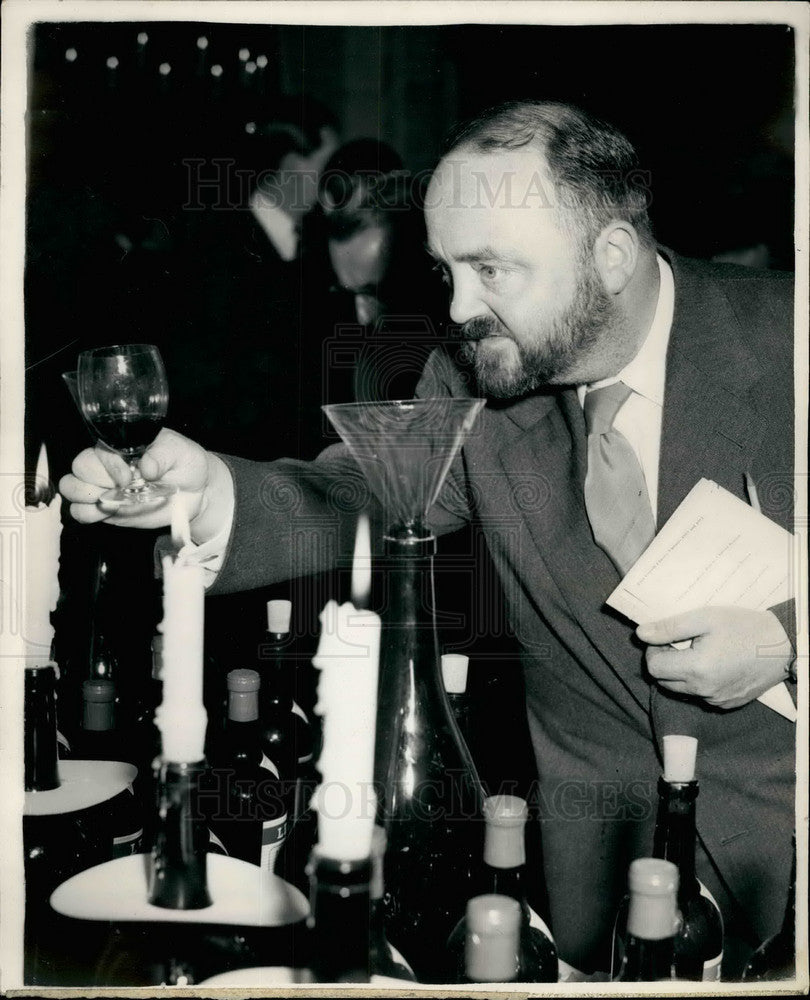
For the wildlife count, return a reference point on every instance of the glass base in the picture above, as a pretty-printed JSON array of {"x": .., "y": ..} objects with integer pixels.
[{"x": 136, "y": 500}]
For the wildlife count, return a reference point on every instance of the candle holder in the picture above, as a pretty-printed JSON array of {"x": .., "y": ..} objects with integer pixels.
[{"x": 429, "y": 795}]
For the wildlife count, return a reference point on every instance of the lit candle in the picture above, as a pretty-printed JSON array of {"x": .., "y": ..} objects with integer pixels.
[
  {"x": 348, "y": 658},
  {"x": 361, "y": 564},
  {"x": 181, "y": 717},
  {"x": 43, "y": 528}
]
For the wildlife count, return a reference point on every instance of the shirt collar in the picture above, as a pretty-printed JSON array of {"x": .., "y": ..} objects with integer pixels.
[
  {"x": 277, "y": 224},
  {"x": 646, "y": 373}
]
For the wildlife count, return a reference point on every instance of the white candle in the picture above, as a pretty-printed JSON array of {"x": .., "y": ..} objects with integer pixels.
[
  {"x": 181, "y": 717},
  {"x": 361, "y": 564},
  {"x": 348, "y": 658},
  {"x": 43, "y": 528}
]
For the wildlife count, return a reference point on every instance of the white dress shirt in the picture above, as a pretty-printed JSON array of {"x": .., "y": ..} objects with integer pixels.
[
  {"x": 639, "y": 418},
  {"x": 278, "y": 226}
]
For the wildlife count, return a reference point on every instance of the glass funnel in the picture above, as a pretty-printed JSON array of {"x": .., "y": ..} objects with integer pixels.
[{"x": 404, "y": 448}]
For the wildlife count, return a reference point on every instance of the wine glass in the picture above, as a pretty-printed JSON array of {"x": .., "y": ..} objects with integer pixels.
[{"x": 124, "y": 395}]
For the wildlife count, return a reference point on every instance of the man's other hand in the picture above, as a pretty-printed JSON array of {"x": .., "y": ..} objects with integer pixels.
[{"x": 735, "y": 656}]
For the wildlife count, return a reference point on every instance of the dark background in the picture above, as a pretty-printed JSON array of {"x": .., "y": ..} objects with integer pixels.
[{"x": 710, "y": 109}]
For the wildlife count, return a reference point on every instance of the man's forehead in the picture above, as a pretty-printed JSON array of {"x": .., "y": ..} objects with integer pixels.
[{"x": 500, "y": 179}]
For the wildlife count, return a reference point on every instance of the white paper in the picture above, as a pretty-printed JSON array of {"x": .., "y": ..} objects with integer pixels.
[{"x": 717, "y": 551}]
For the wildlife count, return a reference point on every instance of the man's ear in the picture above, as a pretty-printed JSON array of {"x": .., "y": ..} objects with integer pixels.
[{"x": 616, "y": 254}]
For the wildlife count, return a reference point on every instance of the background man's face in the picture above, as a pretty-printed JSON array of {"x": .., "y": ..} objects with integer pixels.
[
  {"x": 528, "y": 307},
  {"x": 360, "y": 264}
]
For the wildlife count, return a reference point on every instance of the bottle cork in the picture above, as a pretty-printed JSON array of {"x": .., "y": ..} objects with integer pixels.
[
  {"x": 504, "y": 838},
  {"x": 278, "y": 616},
  {"x": 491, "y": 949},
  {"x": 653, "y": 912},
  {"x": 243, "y": 695},
  {"x": 99, "y": 704},
  {"x": 680, "y": 754},
  {"x": 454, "y": 672}
]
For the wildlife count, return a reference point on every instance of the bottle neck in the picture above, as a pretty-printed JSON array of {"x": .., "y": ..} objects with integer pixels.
[
  {"x": 340, "y": 920},
  {"x": 648, "y": 961},
  {"x": 675, "y": 833},
  {"x": 506, "y": 882},
  {"x": 41, "y": 769},
  {"x": 410, "y": 670},
  {"x": 179, "y": 878},
  {"x": 102, "y": 660},
  {"x": 277, "y": 687},
  {"x": 243, "y": 741}
]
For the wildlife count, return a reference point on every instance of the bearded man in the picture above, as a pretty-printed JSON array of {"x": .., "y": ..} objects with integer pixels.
[{"x": 537, "y": 217}]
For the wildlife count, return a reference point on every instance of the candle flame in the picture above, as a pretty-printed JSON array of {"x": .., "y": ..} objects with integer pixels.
[
  {"x": 42, "y": 479},
  {"x": 361, "y": 564}
]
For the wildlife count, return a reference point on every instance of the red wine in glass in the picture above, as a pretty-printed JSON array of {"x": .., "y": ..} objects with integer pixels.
[{"x": 124, "y": 394}]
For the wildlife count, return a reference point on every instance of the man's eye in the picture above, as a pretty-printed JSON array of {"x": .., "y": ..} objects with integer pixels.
[{"x": 489, "y": 271}]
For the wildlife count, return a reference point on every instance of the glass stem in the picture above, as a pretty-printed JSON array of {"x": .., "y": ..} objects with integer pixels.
[{"x": 138, "y": 484}]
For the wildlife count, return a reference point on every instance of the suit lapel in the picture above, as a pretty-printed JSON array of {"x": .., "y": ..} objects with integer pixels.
[{"x": 709, "y": 428}]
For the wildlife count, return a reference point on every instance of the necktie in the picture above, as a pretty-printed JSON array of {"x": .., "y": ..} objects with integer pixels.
[{"x": 616, "y": 497}]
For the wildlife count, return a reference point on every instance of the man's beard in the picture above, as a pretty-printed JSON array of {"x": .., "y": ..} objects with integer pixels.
[{"x": 552, "y": 353}]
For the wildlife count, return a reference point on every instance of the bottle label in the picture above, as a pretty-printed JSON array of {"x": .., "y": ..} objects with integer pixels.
[
  {"x": 129, "y": 843},
  {"x": 268, "y": 765},
  {"x": 274, "y": 833},
  {"x": 712, "y": 968},
  {"x": 707, "y": 895},
  {"x": 536, "y": 921}
]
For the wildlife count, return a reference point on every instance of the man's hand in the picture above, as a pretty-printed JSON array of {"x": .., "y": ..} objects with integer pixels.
[
  {"x": 201, "y": 476},
  {"x": 735, "y": 654}
]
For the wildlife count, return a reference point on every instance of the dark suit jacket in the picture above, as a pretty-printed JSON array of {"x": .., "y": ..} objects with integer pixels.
[{"x": 596, "y": 721}]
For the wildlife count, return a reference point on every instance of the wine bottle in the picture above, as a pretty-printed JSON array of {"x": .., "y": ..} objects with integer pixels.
[
  {"x": 384, "y": 959},
  {"x": 58, "y": 841},
  {"x": 99, "y": 739},
  {"x": 339, "y": 923},
  {"x": 492, "y": 936},
  {"x": 504, "y": 874},
  {"x": 775, "y": 958},
  {"x": 430, "y": 795},
  {"x": 249, "y": 818},
  {"x": 40, "y": 744},
  {"x": 286, "y": 732},
  {"x": 699, "y": 942},
  {"x": 652, "y": 922},
  {"x": 178, "y": 877}
]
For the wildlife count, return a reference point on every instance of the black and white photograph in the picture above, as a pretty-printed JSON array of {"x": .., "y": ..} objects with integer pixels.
[{"x": 403, "y": 497}]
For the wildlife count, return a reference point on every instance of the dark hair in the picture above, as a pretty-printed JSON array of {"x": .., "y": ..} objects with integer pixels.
[
  {"x": 364, "y": 185},
  {"x": 594, "y": 167},
  {"x": 286, "y": 125}
]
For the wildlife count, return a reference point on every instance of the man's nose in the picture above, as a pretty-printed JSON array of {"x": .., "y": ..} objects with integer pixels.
[{"x": 465, "y": 302}]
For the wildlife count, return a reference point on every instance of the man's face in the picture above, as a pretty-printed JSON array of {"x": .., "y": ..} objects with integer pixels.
[
  {"x": 530, "y": 307},
  {"x": 360, "y": 263}
]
